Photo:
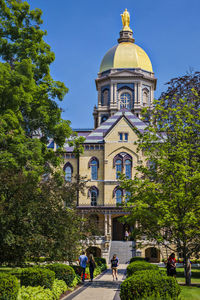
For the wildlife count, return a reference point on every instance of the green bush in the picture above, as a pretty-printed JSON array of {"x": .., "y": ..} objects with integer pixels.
[
  {"x": 63, "y": 272},
  {"x": 149, "y": 284},
  {"x": 100, "y": 261},
  {"x": 78, "y": 269},
  {"x": 37, "y": 276},
  {"x": 140, "y": 266},
  {"x": 35, "y": 293},
  {"x": 59, "y": 287},
  {"x": 9, "y": 287},
  {"x": 136, "y": 258}
]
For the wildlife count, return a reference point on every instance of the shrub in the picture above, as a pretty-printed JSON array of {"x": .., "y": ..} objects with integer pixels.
[
  {"x": 140, "y": 266},
  {"x": 63, "y": 272},
  {"x": 100, "y": 261},
  {"x": 136, "y": 258},
  {"x": 37, "y": 276},
  {"x": 9, "y": 287},
  {"x": 35, "y": 293},
  {"x": 40, "y": 293},
  {"x": 149, "y": 283},
  {"x": 59, "y": 287},
  {"x": 78, "y": 270}
]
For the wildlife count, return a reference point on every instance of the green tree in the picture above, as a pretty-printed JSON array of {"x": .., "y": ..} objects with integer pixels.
[
  {"x": 165, "y": 192},
  {"x": 32, "y": 190}
]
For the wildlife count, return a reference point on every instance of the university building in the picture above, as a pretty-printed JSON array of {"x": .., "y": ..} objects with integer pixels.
[{"x": 125, "y": 84}]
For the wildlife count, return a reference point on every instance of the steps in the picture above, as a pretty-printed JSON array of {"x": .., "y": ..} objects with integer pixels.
[{"x": 123, "y": 250}]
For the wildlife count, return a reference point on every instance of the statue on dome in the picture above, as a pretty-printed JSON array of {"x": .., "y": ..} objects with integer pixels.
[{"x": 126, "y": 20}]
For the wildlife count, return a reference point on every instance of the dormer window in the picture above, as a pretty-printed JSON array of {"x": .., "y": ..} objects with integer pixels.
[{"x": 123, "y": 136}]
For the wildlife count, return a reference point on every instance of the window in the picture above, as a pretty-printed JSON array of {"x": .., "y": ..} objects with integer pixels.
[
  {"x": 118, "y": 167},
  {"x": 123, "y": 136},
  {"x": 105, "y": 97},
  {"x": 118, "y": 196},
  {"x": 145, "y": 97},
  {"x": 128, "y": 168},
  {"x": 68, "y": 174},
  {"x": 93, "y": 166},
  {"x": 104, "y": 118},
  {"x": 125, "y": 101},
  {"x": 93, "y": 197},
  {"x": 68, "y": 169}
]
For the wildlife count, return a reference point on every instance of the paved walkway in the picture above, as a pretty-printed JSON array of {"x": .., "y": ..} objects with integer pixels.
[{"x": 102, "y": 288}]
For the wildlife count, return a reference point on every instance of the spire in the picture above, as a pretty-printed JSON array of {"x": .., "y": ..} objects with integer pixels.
[{"x": 126, "y": 34}]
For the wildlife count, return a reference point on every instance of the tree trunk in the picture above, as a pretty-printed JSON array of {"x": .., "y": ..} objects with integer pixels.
[{"x": 187, "y": 272}]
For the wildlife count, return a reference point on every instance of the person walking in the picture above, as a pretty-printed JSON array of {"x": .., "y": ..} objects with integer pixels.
[
  {"x": 92, "y": 266},
  {"x": 126, "y": 235},
  {"x": 83, "y": 262},
  {"x": 171, "y": 265},
  {"x": 114, "y": 265}
]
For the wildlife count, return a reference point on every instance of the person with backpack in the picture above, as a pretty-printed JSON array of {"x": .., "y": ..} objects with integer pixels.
[
  {"x": 83, "y": 262},
  {"x": 114, "y": 265},
  {"x": 92, "y": 266}
]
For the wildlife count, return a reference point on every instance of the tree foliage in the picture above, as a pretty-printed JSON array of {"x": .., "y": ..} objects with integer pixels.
[
  {"x": 33, "y": 219},
  {"x": 165, "y": 192}
]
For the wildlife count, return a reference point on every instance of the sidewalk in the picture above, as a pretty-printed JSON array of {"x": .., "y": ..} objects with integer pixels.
[{"x": 102, "y": 288}]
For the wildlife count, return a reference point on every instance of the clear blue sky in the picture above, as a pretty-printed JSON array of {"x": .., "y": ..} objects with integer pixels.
[{"x": 81, "y": 32}]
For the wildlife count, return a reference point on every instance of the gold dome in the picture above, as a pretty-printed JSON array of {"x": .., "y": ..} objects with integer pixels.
[{"x": 126, "y": 55}]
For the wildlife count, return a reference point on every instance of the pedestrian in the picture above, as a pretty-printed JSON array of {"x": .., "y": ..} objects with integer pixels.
[
  {"x": 83, "y": 262},
  {"x": 114, "y": 265},
  {"x": 126, "y": 235},
  {"x": 171, "y": 265},
  {"x": 92, "y": 266}
]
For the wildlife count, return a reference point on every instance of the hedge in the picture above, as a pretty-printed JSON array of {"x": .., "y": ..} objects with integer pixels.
[
  {"x": 39, "y": 293},
  {"x": 100, "y": 261},
  {"x": 37, "y": 276},
  {"x": 78, "y": 269},
  {"x": 136, "y": 258},
  {"x": 9, "y": 287},
  {"x": 149, "y": 283},
  {"x": 140, "y": 266},
  {"x": 62, "y": 272}
]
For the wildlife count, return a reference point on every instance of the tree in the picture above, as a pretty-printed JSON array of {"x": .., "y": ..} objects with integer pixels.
[
  {"x": 32, "y": 216},
  {"x": 165, "y": 192}
]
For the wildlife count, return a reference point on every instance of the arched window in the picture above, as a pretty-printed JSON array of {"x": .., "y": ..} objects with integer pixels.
[
  {"x": 145, "y": 97},
  {"x": 128, "y": 168},
  {"x": 118, "y": 195},
  {"x": 125, "y": 100},
  {"x": 68, "y": 172},
  {"x": 105, "y": 97},
  {"x": 93, "y": 164},
  {"x": 104, "y": 118},
  {"x": 93, "y": 197},
  {"x": 118, "y": 165}
]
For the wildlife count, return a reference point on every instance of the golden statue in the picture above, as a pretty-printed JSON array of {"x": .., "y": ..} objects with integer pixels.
[{"x": 126, "y": 20}]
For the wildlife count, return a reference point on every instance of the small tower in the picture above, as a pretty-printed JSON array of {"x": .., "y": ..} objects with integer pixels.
[{"x": 126, "y": 78}]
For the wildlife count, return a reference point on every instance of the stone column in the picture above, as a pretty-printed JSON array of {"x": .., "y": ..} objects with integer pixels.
[
  {"x": 111, "y": 95},
  {"x": 106, "y": 225},
  {"x": 109, "y": 224}
]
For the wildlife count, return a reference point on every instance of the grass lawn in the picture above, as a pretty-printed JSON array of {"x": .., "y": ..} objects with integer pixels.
[
  {"x": 189, "y": 292},
  {"x": 192, "y": 292}
]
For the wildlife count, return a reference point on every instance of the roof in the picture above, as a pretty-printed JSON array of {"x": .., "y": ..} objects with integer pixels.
[
  {"x": 126, "y": 55},
  {"x": 97, "y": 135}
]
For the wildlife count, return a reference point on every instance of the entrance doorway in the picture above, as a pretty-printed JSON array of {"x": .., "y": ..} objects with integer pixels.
[{"x": 119, "y": 228}]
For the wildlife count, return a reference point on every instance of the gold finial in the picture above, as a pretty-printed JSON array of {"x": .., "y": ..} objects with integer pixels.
[{"x": 126, "y": 20}]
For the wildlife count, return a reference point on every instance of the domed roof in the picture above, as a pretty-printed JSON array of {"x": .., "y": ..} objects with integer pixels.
[{"x": 126, "y": 55}]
